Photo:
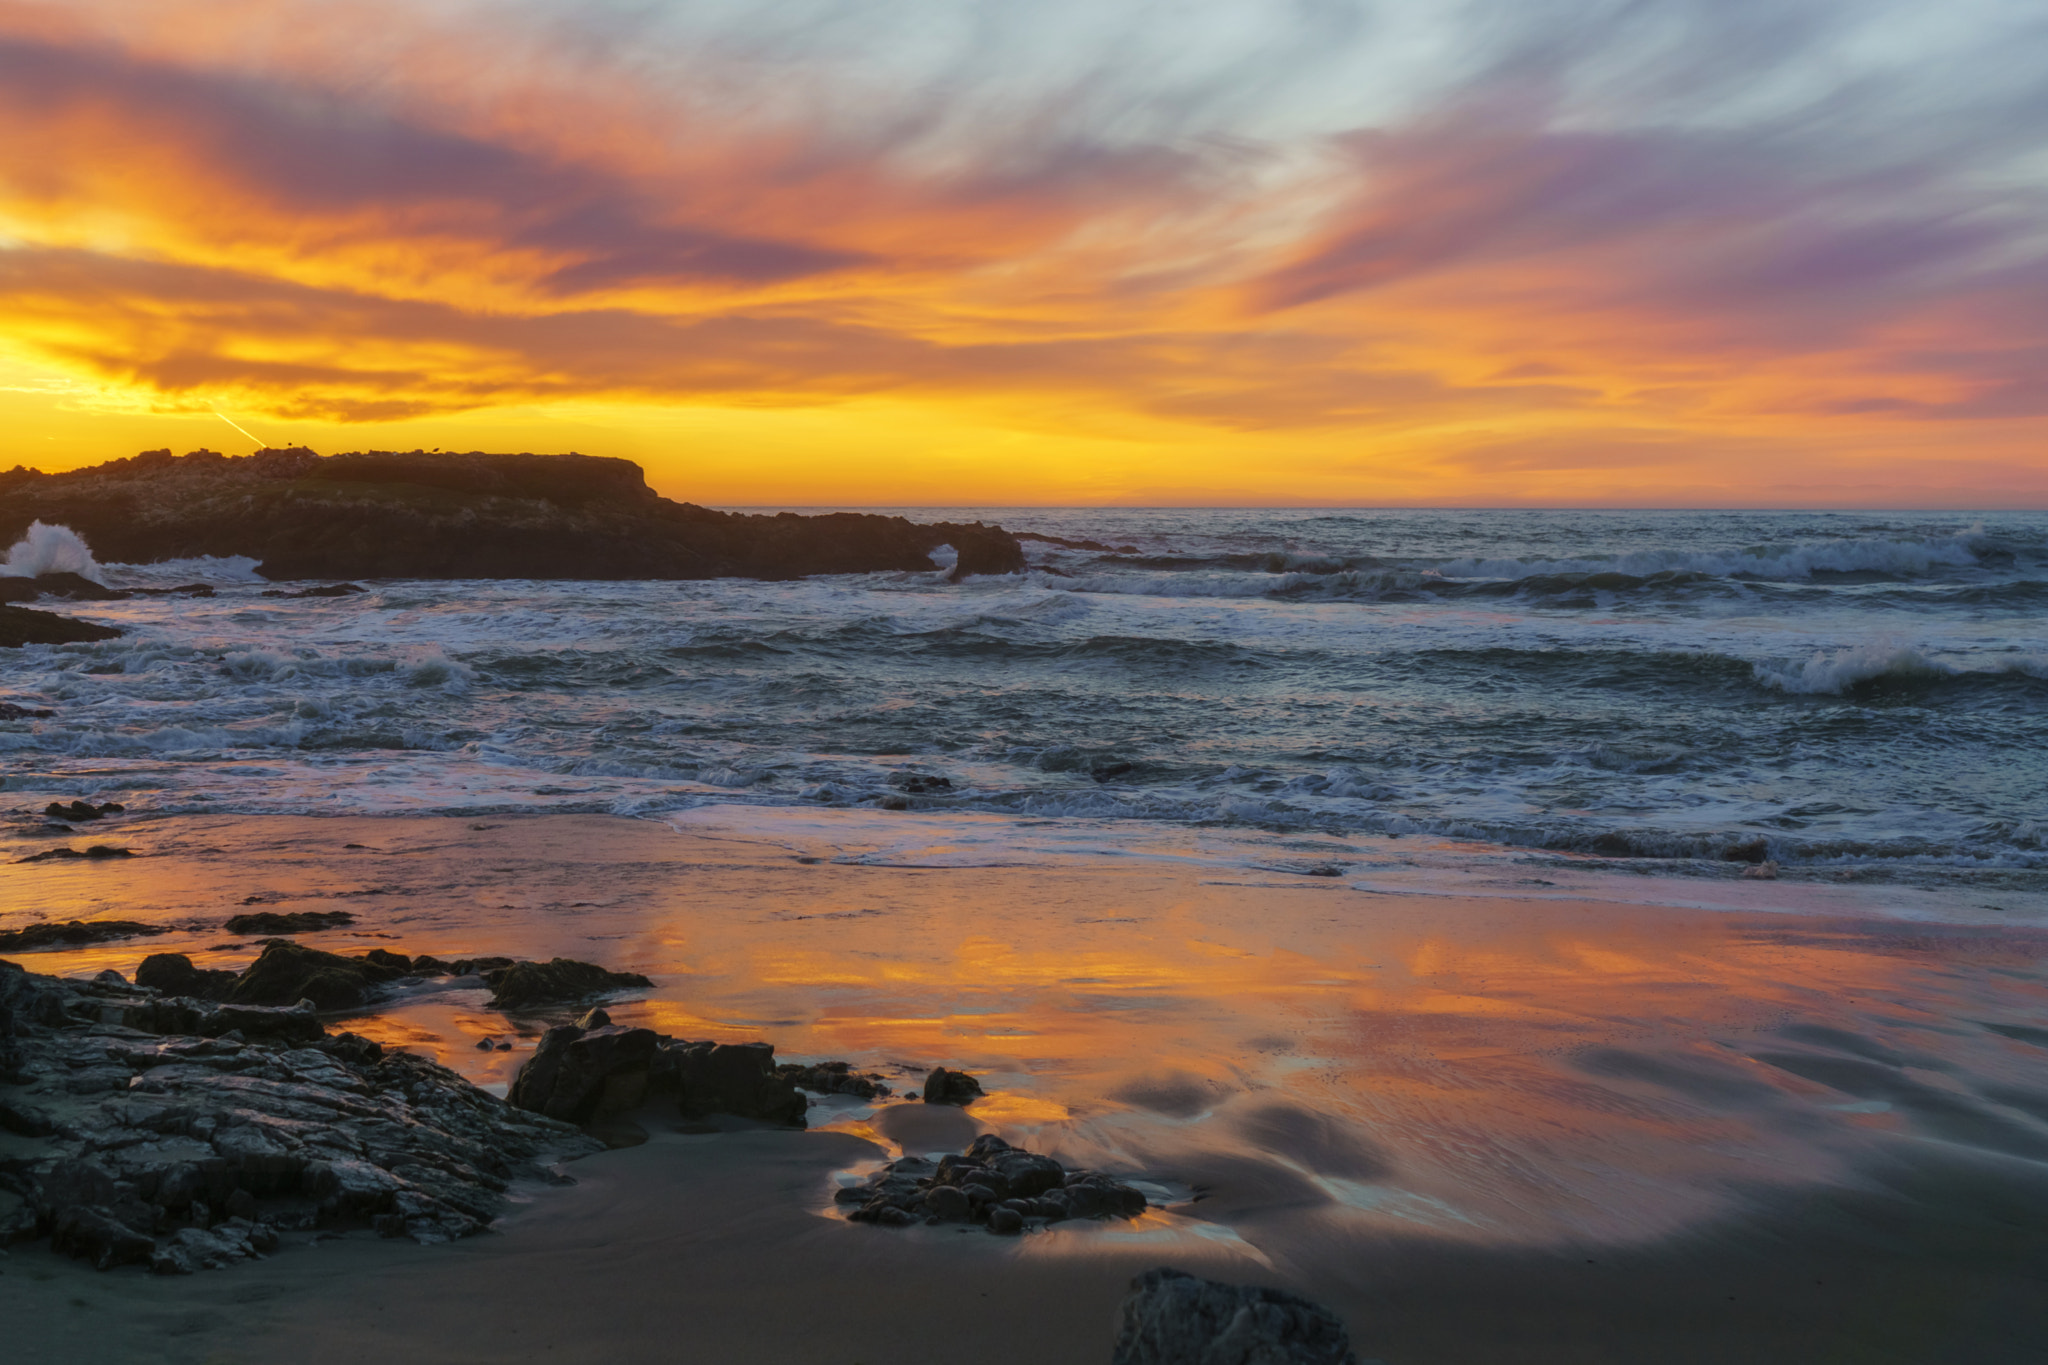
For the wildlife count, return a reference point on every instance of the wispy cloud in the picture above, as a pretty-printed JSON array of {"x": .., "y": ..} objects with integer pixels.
[{"x": 1648, "y": 222}]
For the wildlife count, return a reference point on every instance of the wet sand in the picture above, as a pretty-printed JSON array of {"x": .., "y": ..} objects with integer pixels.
[{"x": 1480, "y": 1128}]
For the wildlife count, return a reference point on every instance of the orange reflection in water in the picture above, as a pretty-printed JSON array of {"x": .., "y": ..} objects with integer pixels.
[{"x": 1482, "y": 1068}]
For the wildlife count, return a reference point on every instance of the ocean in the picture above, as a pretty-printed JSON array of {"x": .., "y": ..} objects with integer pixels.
[{"x": 1853, "y": 694}]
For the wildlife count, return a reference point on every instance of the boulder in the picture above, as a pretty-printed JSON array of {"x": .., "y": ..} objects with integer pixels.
[
  {"x": 730, "y": 1078},
  {"x": 579, "y": 1075},
  {"x": 286, "y": 972},
  {"x": 174, "y": 974},
  {"x": 951, "y": 1087},
  {"x": 522, "y": 985},
  {"x": 1173, "y": 1318}
]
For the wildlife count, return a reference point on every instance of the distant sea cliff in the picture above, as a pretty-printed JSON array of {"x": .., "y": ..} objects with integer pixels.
[{"x": 418, "y": 514}]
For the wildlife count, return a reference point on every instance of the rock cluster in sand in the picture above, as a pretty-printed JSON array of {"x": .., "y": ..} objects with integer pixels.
[{"x": 1005, "y": 1189}]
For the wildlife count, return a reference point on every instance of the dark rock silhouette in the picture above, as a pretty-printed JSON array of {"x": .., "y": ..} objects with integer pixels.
[
  {"x": 522, "y": 985},
  {"x": 1004, "y": 1188},
  {"x": 1173, "y": 1318},
  {"x": 21, "y": 626},
  {"x": 96, "y": 853},
  {"x": 381, "y": 514},
  {"x": 290, "y": 922},
  {"x": 73, "y": 933},
  {"x": 70, "y": 586},
  {"x": 951, "y": 1087}
]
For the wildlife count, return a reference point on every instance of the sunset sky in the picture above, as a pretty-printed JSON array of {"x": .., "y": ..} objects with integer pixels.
[{"x": 1580, "y": 252}]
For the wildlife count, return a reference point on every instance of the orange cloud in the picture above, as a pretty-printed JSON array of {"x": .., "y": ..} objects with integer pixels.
[{"x": 1521, "y": 281}]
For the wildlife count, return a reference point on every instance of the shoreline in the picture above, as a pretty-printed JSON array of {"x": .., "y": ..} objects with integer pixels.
[{"x": 1427, "y": 1112}]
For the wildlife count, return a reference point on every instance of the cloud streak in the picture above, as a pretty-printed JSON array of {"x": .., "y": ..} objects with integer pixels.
[{"x": 1652, "y": 224}]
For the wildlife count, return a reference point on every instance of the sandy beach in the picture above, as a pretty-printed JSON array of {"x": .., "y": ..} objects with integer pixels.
[{"x": 1478, "y": 1126}]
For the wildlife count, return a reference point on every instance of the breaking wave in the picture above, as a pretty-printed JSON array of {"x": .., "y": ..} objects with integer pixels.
[{"x": 50, "y": 549}]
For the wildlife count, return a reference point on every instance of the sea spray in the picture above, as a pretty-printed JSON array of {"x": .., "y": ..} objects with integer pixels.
[{"x": 50, "y": 549}]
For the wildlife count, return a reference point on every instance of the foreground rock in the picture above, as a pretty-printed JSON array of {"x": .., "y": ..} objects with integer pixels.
[
  {"x": 185, "y": 1135},
  {"x": 286, "y": 972},
  {"x": 590, "y": 1071},
  {"x": 1003, "y": 1188},
  {"x": 382, "y": 514},
  {"x": 21, "y": 626},
  {"x": 1173, "y": 1318},
  {"x": 74, "y": 933}
]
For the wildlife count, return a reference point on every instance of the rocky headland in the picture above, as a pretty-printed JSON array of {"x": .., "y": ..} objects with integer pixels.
[{"x": 418, "y": 514}]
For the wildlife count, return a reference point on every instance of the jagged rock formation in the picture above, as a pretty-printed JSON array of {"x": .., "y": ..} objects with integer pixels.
[
  {"x": 429, "y": 515},
  {"x": 186, "y": 1135}
]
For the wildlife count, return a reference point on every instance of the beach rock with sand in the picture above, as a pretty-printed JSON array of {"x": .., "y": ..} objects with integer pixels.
[
  {"x": 1173, "y": 1318},
  {"x": 585, "y": 1072},
  {"x": 1004, "y": 1188},
  {"x": 150, "y": 1141}
]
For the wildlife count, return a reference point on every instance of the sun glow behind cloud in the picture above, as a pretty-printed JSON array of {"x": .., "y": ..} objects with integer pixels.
[{"x": 853, "y": 251}]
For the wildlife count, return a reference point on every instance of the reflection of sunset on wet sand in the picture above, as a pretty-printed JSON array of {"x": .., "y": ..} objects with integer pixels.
[{"x": 1299, "y": 1054}]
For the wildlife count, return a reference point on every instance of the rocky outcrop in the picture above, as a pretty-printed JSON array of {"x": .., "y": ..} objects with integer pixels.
[
  {"x": 187, "y": 1135},
  {"x": 1173, "y": 1318},
  {"x": 1005, "y": 1189},
  {"x": 290, "y": 922},
  {"x": 73, "y": 933},
  {"x": 20, "y": 626},
  {"x": 383, "y": 514}
]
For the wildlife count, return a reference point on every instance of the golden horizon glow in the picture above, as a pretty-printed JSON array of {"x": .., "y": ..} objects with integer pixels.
[{"x": 774, "y": 272}]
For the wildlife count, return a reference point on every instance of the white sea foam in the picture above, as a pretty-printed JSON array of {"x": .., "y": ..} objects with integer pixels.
[
  {"x": 1777, "y": 563},
  {"x": 50, "y": 549}
]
